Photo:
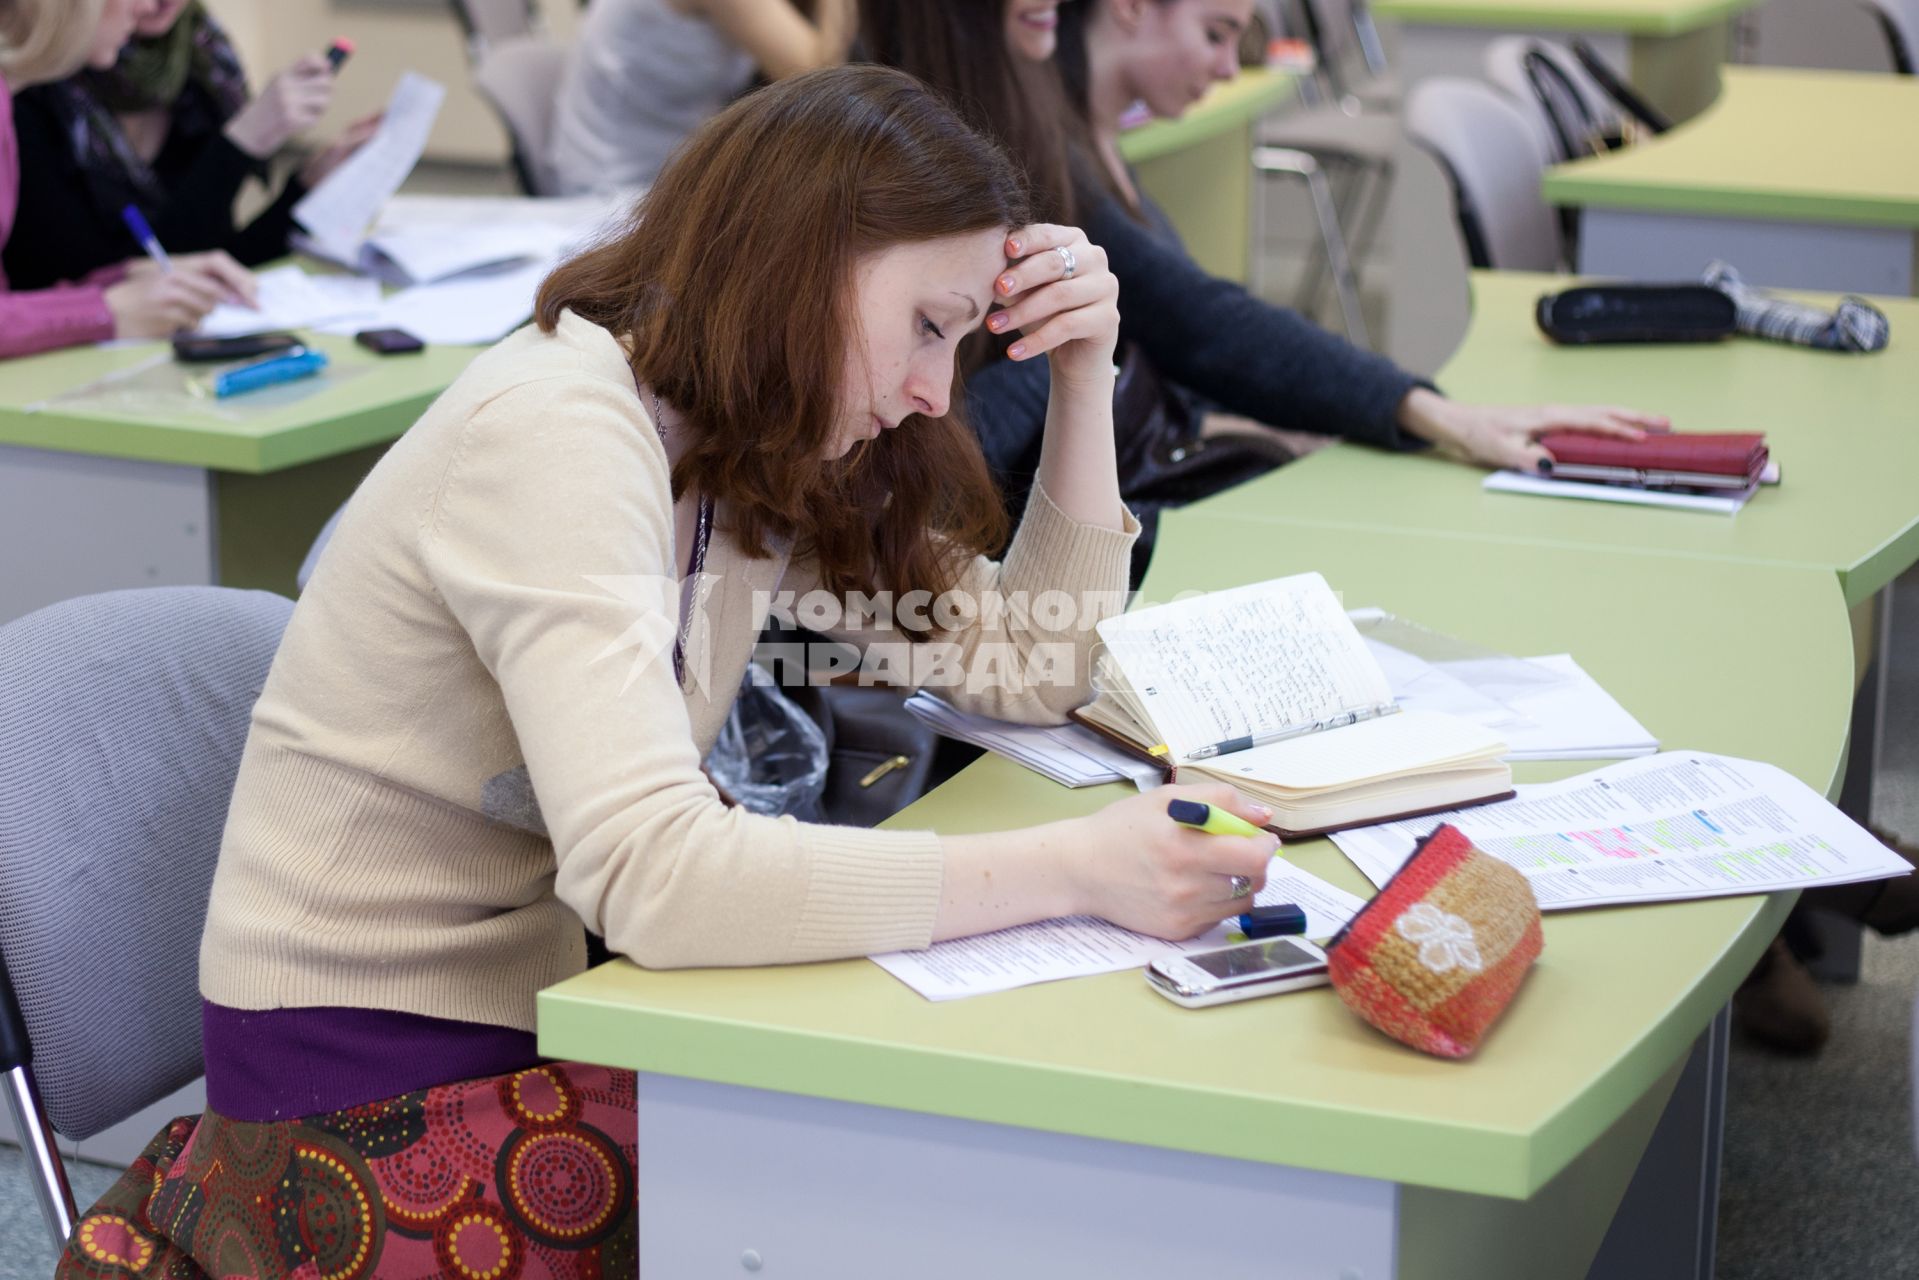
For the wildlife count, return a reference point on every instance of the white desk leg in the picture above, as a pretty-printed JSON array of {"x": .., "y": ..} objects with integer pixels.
[
  {"x": 72, "y": 524},
  {"x": 1667, "y": 1227},
  {"x": 735, "y": 1180},
  {"x": 1788, "y": 255}
]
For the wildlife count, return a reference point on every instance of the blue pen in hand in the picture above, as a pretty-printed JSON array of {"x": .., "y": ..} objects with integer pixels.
[{"x": 142, "y": 232}]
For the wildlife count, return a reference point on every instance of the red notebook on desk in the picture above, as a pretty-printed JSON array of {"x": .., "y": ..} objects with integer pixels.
[{"x": 1702, "y": 460}]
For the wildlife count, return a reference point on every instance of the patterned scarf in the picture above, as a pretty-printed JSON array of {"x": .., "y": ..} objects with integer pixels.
[{"x": 151, "y": 73}]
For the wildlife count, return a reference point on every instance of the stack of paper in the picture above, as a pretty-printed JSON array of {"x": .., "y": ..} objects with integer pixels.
[
  {"x": 1068, "y": 754},
  {"x": 1685, "y": 824},
  {"x": 291, "y": 299},
  {"x": 1081, "y": 946}
]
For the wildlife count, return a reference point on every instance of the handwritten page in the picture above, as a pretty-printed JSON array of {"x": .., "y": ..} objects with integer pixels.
[
  {"x": 338, "y": 212},
  {"x": 1081, "y": 946},
  {"x": 1252, "y": 660},
  {"x": 1682, "y": 824}
]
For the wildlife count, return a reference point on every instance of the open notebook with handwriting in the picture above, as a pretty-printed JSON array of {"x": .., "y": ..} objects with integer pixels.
[{"x": 1270, "y": 687}]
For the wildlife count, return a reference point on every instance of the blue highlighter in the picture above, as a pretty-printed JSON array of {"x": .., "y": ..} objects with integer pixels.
[{"x": 286, "y": 366}]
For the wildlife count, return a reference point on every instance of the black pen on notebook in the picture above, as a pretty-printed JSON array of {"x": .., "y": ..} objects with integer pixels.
[{"x": 1251, "y": 740}]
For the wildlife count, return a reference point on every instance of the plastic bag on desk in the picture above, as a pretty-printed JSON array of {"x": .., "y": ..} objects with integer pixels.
[{"x": 770, "y": 754}]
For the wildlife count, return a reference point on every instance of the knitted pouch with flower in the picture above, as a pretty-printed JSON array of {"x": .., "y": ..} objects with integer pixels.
[{"x": 1436, "y": 957}]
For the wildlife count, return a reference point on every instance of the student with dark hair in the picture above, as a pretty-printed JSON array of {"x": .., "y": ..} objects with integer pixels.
[
  {"x": 1208, "y": 337},
  {"x": 47, "y": 40},
  {"x": 485, "y": 724},
  {"x": 169, "y": 127}
]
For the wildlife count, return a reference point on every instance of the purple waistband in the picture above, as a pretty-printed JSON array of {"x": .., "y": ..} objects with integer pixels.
[{"x": 282, "y": 1064}]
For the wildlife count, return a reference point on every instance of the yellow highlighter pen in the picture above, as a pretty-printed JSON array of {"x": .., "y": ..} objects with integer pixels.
[{"x": 1214, "y": 822}]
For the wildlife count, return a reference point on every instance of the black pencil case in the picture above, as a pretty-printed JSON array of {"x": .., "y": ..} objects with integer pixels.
[{"x": 1636, "y": 313}]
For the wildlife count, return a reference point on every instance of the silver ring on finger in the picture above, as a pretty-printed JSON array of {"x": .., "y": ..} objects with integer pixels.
[
  {"x": 1242, "y": 885},
  {"x": 1071, "y": 264}
]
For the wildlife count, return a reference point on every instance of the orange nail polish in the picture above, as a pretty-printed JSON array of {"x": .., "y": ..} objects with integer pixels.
[{"x": 1006, "y": 284}]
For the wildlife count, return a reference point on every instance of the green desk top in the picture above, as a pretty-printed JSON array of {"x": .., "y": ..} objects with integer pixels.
[
  {"x": 1841, "y": 427},
  {"x": 375, "y": 402},
  {"x": 1616, "y": 1000},
  {"x": 1819, "y": 146},
  {"x": 1229, "y": 106},
  {"x": 1631, "y": 17}
]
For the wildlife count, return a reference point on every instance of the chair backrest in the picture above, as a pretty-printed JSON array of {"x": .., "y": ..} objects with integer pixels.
[
  {"x": 1342, "y": 34},
  {"x": 1557, "y": 94},
  {"x": 122, "y": 717},
  {"x": 488, "y": 22},
  {"x": 1899, "y": 19},
  {"x": 1495, "y": 160},
  {"x": 521, "y": 77}
]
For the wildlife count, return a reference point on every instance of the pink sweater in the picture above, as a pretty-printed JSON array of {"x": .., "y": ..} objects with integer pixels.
[{"x": 40, "y": 320}]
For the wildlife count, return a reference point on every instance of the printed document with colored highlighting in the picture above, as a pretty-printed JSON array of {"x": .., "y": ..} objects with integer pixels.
[
  {"x": 1081, "y": 946},
  {"x": 1681, "y": 824}
]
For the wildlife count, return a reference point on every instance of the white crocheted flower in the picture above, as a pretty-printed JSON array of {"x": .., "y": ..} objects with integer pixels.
[{"x": 1445, "y": 940}]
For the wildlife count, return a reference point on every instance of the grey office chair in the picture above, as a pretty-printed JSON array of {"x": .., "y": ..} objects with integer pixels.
[
  {"x": 488, "y": 22},
  {"x": 520, "y": 79},
  {"x": 1899, "y": 19},
  {"x": 122, "y": 717},
  {"x": 1494, "y": 159},
  {"x": 1336, "y": 142},
  {"x": 1560, "y": 97}
]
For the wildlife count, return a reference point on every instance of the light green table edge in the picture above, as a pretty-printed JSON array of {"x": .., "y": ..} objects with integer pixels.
[
  {"x": 1585, "y": 184},
  {"x": 1256, "y": 91},
  {"x": 1371, "y": 1143},
  {"x": 1672, "y": 20},
  {"x": 360, "y": 414},
  {"x": 1595, "y": 183}
]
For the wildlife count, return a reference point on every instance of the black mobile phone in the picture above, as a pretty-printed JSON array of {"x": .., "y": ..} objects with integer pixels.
[
  {"x": 189, "y": 349},
  {"x": 388, "y": 342}
]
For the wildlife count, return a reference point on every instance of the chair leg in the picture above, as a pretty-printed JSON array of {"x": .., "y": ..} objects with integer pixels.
[
  {"x": 1286, "y": 160},
  {"x": 50, "y": 1184}
]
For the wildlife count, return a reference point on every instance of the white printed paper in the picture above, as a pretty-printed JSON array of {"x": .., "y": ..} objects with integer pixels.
[
  {"x": 289, "y": 298},
  {"x": 1725, "y": 504},
  {"x": 1070, "y": 754},
  {"x": 1081, "y": 946},
  {"x": 468, "y": 311},
  {"x": 1682, "y": 824},
  {"x": 338, "y": 212}
]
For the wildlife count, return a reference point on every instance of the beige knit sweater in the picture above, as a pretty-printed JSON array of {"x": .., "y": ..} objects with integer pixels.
[{"x": 461, "y": 752}]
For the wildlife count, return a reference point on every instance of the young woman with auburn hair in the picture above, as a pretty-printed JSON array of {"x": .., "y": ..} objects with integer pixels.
[
  {"x": 486, "y": 721},
  {"x": 1218, "y": 345}
]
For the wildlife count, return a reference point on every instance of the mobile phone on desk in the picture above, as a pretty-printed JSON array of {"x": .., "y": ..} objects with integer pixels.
[
  {"x": 388, "y": 342},
  {"x": 189, "y": 348},
  {"x": 1245, "y": 971}
]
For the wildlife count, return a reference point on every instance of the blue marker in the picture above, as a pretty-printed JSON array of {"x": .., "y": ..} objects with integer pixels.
[
  {"x": 137, "y": 224},
  {"x": 288, "y": 366},
  {"x": 1276, "y": 921}
]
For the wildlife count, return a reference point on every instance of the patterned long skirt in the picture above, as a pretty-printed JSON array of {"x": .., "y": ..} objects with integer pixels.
[{"x": 516, "y": 1177}]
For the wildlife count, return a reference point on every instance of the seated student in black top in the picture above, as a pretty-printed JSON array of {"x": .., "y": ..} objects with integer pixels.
[
  {"x": 1226, "y": 348},
  {"x": 169, "y": 128}
]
